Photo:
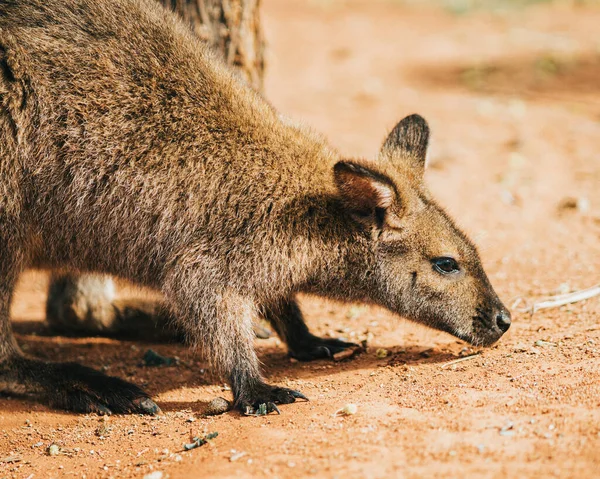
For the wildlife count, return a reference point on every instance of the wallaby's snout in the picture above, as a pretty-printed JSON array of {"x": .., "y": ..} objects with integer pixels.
[
  {"x": 500, "y": 324},
  {"x": 489, "y": 324}
]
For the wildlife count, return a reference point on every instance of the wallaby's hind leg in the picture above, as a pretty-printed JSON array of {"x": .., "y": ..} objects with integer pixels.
[
  {"x": 81, "y": 302},
  {"x": 63, "y": 385},
  {"x": 286, "y": 318},
  {"x": 86, "y": 305}
]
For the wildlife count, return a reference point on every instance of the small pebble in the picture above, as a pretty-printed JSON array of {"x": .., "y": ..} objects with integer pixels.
[
  {"x": 152, "y": 358},
  {"x": 53, "y": 450},
  {"x": 508, "y": 430},
  {"x": 217, "y": 406},
  {"x": 347, "y": 410},
  {"x": 381, "y": 353},
  {"x": 580, "y": 204}
]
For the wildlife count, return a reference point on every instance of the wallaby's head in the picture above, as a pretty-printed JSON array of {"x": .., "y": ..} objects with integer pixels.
[{"x": 414, "y": 260}]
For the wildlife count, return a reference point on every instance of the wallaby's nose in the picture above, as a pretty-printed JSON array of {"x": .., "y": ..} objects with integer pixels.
[{"x": 503, "y": 320}]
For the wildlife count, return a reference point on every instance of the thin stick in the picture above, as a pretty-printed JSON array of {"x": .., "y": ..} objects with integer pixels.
[
  {"x": 459, "y": 360},
  {"x": 567, "y": 298},
  {"x": 522, "y": 309}
]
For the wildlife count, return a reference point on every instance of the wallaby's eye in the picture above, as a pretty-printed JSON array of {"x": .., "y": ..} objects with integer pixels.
[{"x": 445, "y": 265}]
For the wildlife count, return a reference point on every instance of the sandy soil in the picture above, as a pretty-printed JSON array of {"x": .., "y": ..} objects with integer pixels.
[{"x": 513, "y": 99}]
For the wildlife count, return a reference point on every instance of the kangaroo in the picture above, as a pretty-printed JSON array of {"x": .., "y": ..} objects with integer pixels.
[{"x": 128, "y": 149}]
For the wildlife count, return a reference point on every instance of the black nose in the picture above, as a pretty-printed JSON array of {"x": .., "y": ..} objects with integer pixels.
[{"x": 503, "y": 321}]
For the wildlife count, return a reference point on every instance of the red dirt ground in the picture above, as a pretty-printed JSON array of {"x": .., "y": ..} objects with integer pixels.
[{"x": 513, "y": 99}]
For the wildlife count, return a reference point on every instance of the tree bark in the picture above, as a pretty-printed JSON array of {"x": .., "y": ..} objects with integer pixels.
[
  {"x": 86, "y": 303},
  {"x": 233, "y": 28}
]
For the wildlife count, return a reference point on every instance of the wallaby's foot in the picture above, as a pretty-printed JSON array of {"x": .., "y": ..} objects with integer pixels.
[
  {"x": 286, "y": 318},
  {"x": 313, "y": 347},
  {"x": 261, "y": 394},
  {"x": 87, "y": 390},
  {"x": 74, "y": 387}
]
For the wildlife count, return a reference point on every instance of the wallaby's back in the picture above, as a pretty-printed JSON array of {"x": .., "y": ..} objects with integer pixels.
[{"x": 130, "y": 124}]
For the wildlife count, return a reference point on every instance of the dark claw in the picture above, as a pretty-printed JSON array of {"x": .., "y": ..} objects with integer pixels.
[
  {"x": 271, "y": 407},
  {"x": 325, "y": 351},
  {"x": 299, "y": 395},
  {"x": 102, "y": 410},
  {"x": 147, "y": 406}
]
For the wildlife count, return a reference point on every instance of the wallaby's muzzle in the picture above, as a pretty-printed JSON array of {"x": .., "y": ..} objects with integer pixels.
[{"x": 489, "y": 325}]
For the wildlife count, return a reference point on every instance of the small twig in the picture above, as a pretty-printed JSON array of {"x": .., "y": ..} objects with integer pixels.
[
  {"x": 459, "y": 360},
  {"x": 567, "y": 298},
  {"x": 516, "y": 305}
]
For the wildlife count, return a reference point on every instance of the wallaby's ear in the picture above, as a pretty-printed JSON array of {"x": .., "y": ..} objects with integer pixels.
[
  {"x": 408, "y": 142},
  {"x": 363, "y": 190}
]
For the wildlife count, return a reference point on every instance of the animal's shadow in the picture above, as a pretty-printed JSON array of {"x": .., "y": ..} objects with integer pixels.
[{"x": 124, "y": 358}]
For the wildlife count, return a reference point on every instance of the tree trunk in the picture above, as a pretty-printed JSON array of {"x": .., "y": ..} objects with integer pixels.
[
  {"x": 86, "y": 303},
  {"x": 233, "y": 28}
]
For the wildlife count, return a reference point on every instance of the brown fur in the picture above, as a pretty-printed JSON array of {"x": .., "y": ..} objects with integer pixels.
[{"x": 128, "y": 149}]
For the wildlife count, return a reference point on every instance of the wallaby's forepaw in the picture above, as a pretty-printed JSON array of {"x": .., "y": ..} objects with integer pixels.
[
  {"x": 81, "y": 389},
  {"x": 263, "y": 398},
  {"x": 319, "y": 348}
]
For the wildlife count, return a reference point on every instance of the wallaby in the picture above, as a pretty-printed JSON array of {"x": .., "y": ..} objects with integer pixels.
[{"x": 128, "y": 149}]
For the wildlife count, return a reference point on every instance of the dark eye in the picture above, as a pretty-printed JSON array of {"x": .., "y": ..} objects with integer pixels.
[{"x": 445, "y": 265}]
